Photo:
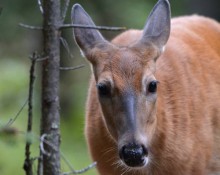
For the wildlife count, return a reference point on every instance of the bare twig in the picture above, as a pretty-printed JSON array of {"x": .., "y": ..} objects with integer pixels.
[
  {"x": 28, "y": 162},
  {"x": 66, "y": 26},
  {"x": 40, "y": 6},
  {"x": 42, "y": 141},
  {"x": 82, "y": 170},
  {"x": 41, "y": 59},
  {"x": 71, "y": 68},
  {"x": 65, "y": 8},
  {"x": 67, "y": 162},
  {"x": 30, "y": 27},
  {"x": 66, "y": 46},
  {"x": 11, "y": 121},
  {"x": 38, "y": 57}
]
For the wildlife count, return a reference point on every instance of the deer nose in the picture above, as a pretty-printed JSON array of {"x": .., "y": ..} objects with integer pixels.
[{"x": 133, "y": 155}]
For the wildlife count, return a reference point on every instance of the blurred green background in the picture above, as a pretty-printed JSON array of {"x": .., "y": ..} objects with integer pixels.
[{"x": 16, "y": 44}]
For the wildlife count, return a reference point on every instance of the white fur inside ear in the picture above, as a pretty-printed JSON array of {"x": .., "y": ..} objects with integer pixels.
[
  {"x": 82, "y": 53},
  {"x": 163, "y": 49}
]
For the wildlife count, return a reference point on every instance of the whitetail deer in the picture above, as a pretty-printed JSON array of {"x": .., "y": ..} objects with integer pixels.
[{"x": 151, "y": 109}]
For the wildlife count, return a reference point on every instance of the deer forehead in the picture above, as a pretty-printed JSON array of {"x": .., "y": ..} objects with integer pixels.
[
  {"x": 124, "y": 70},
  {"x": 123, "y": 60}
]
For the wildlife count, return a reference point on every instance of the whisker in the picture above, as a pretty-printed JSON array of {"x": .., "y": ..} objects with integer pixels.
[{"x": 108, "y": 150}]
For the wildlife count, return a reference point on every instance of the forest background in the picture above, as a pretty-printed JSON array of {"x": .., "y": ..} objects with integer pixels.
[{"x": 17, "y": 44}]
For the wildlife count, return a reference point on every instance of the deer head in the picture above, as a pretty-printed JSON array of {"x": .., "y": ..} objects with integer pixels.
[{"x": 125, "y": 80}]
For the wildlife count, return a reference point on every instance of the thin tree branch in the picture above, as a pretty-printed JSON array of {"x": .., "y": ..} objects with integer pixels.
[
  {"x": 67, "y": 162},
  {"x": 71, "y": 68},
  {"x": 41, "y": 59},
  {"x": 82, "y": 170},
  {"x": 66, "y": 26},
  {"x": 66, "y": 46},
  {"x": 38, "y": 57},
  {"x": 11, "y": 121},
  {"x": 30, "y": 27},
  {"x": 40, "y": 6},
  {"x": 28, "y": 162},
  {"x": 65, "y": 8},
  {"x": 42, "y": 141}
]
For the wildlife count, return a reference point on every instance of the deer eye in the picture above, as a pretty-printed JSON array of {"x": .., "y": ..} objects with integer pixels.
[
  {"x": 152, "y": 87},
  {"x": 103, "y": 89}
]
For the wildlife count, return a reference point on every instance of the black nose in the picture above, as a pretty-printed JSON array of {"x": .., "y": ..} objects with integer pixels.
[{"x": 133, "y": 154}]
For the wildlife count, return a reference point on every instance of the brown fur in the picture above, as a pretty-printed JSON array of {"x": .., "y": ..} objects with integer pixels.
[{"x": 184, "y": 132}]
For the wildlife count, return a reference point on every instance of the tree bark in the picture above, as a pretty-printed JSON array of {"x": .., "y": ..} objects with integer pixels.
[{"x": 50, "y": 121}]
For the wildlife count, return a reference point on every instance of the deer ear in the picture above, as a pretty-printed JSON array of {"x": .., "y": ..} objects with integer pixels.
[
  {"x": 157, "y": 28},
  {"x": 86, "y": 38}
]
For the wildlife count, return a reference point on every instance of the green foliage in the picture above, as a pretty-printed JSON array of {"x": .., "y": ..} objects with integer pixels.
[{"x": 13, "y": 86}]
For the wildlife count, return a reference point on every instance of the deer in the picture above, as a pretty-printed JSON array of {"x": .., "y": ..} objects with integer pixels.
[{"x": 153, "y": 105}]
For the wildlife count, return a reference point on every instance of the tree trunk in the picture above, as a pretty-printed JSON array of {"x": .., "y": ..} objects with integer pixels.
[{"x": 50, "y": 121}]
